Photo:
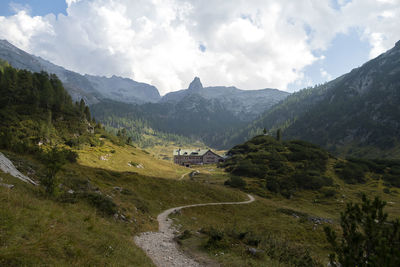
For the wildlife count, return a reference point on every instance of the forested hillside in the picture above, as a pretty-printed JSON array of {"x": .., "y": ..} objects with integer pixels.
[
  {"x": 353, "y": 115},
  {"x": 191, "y": 120},
  {"x": 35, "y": 109}
]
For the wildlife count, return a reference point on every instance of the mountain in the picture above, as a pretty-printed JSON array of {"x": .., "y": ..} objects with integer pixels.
[
  {"x": 209, "y": 114},
  {"x": 244, "y": 104},
  {"x": 124, "y": 89},
  {"x": 356, "y": 114},
  {"x": 91, "y": 88}
]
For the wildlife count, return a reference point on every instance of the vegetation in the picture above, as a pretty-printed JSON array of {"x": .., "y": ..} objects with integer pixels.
[
  {"x": 54, "y": 160},
  {"x": 368, "y": 237},
  {"x": 354, "y": 115},
  {"x": 284, "y": 167},
  {"x": 93, "y": 217},
  {"x": 195, "y": 119},
  {"x": 356, "y": 170},
  {"x": 274, "y": 230},
  {"x": 79, "y": 215},
  {"x": 36, "y": 109}
]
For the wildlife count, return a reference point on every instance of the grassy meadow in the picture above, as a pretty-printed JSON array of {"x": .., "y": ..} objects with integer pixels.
[
  {"x": 128, "y": 159},
  {"x": 95, "y": 225},
  {"x": 284, "y": 231}
]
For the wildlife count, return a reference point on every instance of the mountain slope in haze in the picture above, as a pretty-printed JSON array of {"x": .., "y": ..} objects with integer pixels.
[
  {"x": 124, "y": 89},
  {"x": 356, "y": 114},
  {"x": 209, "y": 115},
  {"x": 245, "y": 104},
  {"x": 195, "y": 119},
  {"x": 91, "y": 88}
]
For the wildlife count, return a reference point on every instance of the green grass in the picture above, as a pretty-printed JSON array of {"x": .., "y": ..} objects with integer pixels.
[
  {"x": 271, "y": 220},
  {"x": 63, "y": 230},
  {"x": 119, "y": 158}
]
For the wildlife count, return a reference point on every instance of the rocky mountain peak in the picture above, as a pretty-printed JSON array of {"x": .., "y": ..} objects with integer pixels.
[
  {"x": 397, "y": 45},
  {"x": 195, "y": 85}
]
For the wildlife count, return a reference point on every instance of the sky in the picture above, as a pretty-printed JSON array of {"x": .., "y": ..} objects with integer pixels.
[{"x": 250, "y": 44}]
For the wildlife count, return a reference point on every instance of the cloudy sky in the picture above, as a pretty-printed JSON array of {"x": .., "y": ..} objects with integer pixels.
[{"x": 250, "y": 44}]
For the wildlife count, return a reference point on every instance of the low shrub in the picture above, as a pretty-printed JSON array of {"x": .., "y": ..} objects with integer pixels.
[
  {"x": 216, "y": 240},
  {"x": 102, "y": 203},
  {"x": 236, "y": 182}
]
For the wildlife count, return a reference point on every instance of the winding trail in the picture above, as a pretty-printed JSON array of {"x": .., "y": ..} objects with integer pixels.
[
  {"x": 183, "y": 175},
  {"x": 161, "y": 247}
]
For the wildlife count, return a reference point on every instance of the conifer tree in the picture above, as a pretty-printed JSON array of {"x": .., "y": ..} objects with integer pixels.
[
  {"x": 279, "y": 135},
  {"x": 368, "y": 238},
  {"x": 87, "y": 113}
]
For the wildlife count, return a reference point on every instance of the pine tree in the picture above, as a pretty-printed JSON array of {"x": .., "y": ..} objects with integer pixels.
[
  {"x": 87, "y": 113},
  {"x": 368, "y": 238},
  {"x": 279, "y": 135}
]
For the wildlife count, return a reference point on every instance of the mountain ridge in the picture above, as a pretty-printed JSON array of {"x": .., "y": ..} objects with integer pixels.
[
  {"x": 352, "y": 115},
  {"x": 88, "y": 87},
  {"x": 246, "y": 104}
]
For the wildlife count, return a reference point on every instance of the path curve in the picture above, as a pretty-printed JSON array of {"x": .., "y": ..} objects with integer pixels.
[
  {"x": 183, "y": 175},
  {"x": 161, "y": 247}
]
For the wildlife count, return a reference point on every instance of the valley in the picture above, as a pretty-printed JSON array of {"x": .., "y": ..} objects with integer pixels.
[{"x": 106, "y": 192}]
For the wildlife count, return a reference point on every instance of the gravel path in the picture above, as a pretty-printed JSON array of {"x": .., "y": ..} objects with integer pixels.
[
  {"x": 161, "y": 247},
  {"x": 183, "y": 175}
]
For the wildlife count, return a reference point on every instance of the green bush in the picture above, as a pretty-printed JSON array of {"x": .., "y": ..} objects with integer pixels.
[
  {"x": 216, "y": 240},
  {"x": 185, "y": 235},
  {"x": 102, "y": 203},
  {"x": 236, "y": 181}
]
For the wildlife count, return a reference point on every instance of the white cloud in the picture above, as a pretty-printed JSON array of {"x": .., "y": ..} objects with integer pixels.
[
  {"x": 249, "y": 44},
  {"x": 16, "y": 7},
  {"x": 325, "y": 75}
]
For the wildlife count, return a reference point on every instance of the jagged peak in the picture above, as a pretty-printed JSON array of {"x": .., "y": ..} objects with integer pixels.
[{"x": 195, "y": 84}]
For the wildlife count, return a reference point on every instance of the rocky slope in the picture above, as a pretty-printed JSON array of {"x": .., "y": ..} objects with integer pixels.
[{"x": 246, "y": 104}]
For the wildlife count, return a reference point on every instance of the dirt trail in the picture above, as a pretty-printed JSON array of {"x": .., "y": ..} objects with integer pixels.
[
  {"x": 183, "y": 175},
  {"x": 161, "y": 247}
]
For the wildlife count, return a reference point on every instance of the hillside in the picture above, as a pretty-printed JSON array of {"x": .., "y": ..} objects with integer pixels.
[
  {"x": 36, "y": 110},
  {"x": 353, "y": 115},
  {"x": 244, "y": 104},
  {"x": 209, "y": 115},
  {"x": 287, "y": 167},
  {"x": 96, "y": 191},
  {"x": 283, "y": 167},
  {"x": 88, "y": 87},
  {"x": 301, "y": 189},
  {"x": 192, "y": 120}
]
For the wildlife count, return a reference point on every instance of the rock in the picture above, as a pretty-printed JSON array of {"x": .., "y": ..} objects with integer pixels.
[
  {"x": 9, "y": 186},
  {"x": 140, "y": 166},
  {"x": 71, "y": 191},
  {"x": 8, "y": 167},
  {"x": 117, "y": 188},
  {"x": 254, "y": 251},
  {"x": 103, "y": 158},
  {"x": 177, "y": 212}
]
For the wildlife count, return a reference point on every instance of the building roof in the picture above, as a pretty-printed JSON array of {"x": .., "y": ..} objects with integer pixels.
[{"x": 190, "y": 152}]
